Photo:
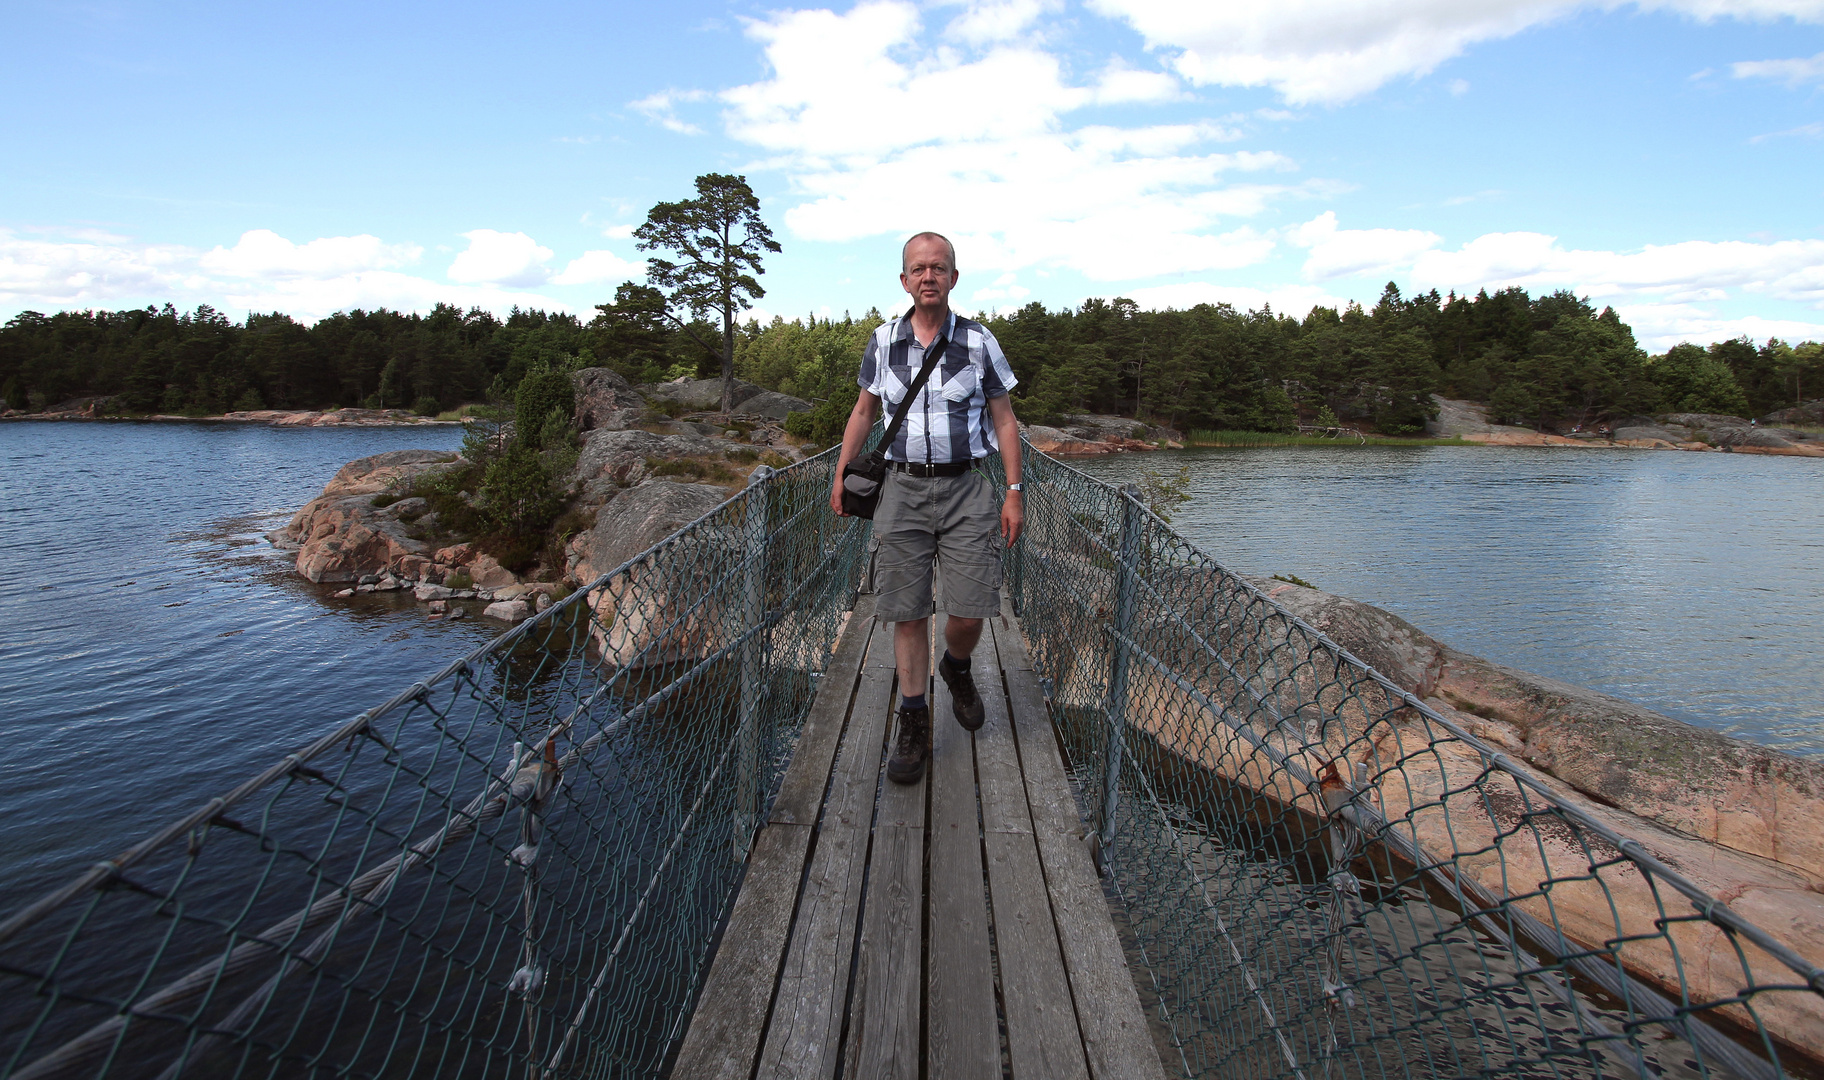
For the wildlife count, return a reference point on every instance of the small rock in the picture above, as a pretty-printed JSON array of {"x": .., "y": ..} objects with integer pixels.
[
  {"x": 345, "y": 593},
  {"x": 432, "y": 592},
  {"x": 731, "y": 433},
  {"x": 484, "y": 594},
  {"x": 369, "y": 579},
  {"x": 459, "y": 613},
  {"x": 364, "y": 588},
  {"x": 389, "y": 583},
  {"x": 463, "y": 594},
  {"x": 440, "y": 606},
  {"x": 544, "y": 601},
  {"x": 508, "y": 610}
]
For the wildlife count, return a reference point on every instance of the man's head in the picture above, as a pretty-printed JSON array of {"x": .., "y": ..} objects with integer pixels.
[{"x": 928, "y": 270}]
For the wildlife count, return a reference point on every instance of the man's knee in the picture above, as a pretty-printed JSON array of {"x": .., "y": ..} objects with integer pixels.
[{"x": 964, "y": 624}]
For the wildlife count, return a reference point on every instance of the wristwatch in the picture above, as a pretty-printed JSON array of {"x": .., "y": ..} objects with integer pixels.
[{"x": 1016, "y": 487}]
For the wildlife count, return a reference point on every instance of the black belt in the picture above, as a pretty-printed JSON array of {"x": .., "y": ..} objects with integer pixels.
[{"x": 916, "y": 468}]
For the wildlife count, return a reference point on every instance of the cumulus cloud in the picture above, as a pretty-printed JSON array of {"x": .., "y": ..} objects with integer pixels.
[
  {"x": 1329, "y": 51},
  {"x": 1294, "y": 300},
  {"x": 596, "y": 267},
  {"x": 497, "y": 258},
  {"x": 661, "y": 109},
  {"x": 1795, "y": 73},
  {"x": 1005, "y": 174},
  {"x": 261, "y": 272},
  {"x": 1658, "y": 327},
  {"x": 1343, "y": 252}
]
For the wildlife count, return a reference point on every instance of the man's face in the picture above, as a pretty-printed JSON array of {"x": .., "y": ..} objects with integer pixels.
[{"x": 928, "y": 276}]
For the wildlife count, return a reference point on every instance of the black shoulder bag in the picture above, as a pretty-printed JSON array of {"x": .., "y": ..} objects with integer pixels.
[{"x": 863, "y": 478}]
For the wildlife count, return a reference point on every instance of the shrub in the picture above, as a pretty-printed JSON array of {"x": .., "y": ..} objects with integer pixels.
[
  {"x": 691, "y": 469},
  {"x": 425, "y": 406},
  {"x": 459, "y": 580},
  {"x": 385, "y": 498},
  {"x": 542, "y": 391},
  {"x": 824, "y": 424}
]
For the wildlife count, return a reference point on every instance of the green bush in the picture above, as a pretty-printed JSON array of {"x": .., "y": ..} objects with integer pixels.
[
  {"x": 542, "y": 391},
  {"x": 824, "y": 424},
  {"x": 425, "y": 406},
  {"x": 459, "y": 580}
]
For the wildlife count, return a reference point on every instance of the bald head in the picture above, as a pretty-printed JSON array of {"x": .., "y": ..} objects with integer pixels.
[{"x": 939, "y": 237}]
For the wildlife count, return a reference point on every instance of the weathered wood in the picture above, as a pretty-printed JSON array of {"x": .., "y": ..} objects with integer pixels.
[
  {"x": 1116, "y": 1039},
  {"x": 884, "y": 1013},
  {"x": 730, "y": 1017},
  {"x": 963, "y": 1037},
  {"x": 804, "y": 1034},
  {"x": 884, "y": 1018},
  {"x": 1042, "y": 1031},
  {"x": 801, "y": 791}
]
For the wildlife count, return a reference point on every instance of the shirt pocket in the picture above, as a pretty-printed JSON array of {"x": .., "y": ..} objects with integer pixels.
[
  {"x": 963, "y": 385},
  {"x": 892, "y": 385}
]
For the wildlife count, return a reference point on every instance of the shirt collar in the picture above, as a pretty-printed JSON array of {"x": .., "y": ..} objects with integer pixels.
[{"x": 904, "y": 329}]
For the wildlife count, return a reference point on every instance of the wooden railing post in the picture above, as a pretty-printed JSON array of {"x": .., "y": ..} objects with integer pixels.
[
  {"x": 1127, "y": 592},
  {"x": 753, "y": 664}
]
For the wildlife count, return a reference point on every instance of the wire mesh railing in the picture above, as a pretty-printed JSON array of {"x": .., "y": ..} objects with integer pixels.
[
  {"x": 515, "y": 868},
  {"x": 1319, "y": 875}
]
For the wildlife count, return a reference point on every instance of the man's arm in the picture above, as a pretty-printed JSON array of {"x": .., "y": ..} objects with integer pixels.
[
  {"x": 1007, "y": 433},
  {"x": 861, "y": 418}
]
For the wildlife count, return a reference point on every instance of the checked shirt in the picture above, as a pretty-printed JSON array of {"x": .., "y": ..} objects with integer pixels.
[{"x": 948, "y": 422}]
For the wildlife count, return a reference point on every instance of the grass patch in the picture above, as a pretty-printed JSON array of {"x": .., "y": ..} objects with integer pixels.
[
  {"x": 1294, "y": 579},
  {"x": 386, "y": 498},
  {"x": 461, "y": 412},
  {"x": 744, "y": 455},
  {"x": 691, "y": 469},
  {"x": 459, "y": 580}
]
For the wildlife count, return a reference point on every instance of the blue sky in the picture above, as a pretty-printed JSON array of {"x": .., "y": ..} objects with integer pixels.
[{"x": 1662, "y": 157}]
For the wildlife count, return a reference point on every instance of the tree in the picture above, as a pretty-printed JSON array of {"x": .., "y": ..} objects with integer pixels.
[{"x": 719, "y": 238}]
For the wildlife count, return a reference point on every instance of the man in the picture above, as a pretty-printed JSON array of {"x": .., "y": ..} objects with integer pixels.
[{"x": 936, "y": 504}]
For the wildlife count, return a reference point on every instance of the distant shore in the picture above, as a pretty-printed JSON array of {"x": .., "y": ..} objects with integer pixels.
[{"x": 272, "y": 417}]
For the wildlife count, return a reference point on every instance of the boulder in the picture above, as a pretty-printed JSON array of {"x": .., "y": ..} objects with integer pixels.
[
  {"x": 636, "y": 520},
  {"x": 621, "y": 456},
  {"x": 424, "y": 593},
  {"x": 605, "y": 400},
  {"x": 341, "y": 536},
  {"x": 1700, "y": 421},
  {"x": 701, "y": 395},
  {"x": 773, "y": 405},
  {"x": 1380, "y": 639},
  {"x": 508, "y": 610},
  {"x": 487, "y": 573},
  {"x": 1645, "y": 432},
  {"x": 1810, "y": 414}
]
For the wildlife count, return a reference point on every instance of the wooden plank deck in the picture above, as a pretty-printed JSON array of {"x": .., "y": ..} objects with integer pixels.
[{"x": 950, "y": 928}]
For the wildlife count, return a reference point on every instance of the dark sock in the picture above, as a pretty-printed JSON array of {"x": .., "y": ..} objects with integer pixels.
[
  {"x": 907, "y": 701},
  {"x": 959, "y": 665}
]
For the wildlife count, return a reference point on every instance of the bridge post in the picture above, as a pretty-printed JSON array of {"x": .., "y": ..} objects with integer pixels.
[
  {"x": 1127, "y": 595},
  {"x": 753, "y": 664}
]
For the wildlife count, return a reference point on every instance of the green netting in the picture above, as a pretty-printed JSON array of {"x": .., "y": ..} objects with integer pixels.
[
  {"x": 516, "y": 868},
  {"x": 1319, "y": 875}
]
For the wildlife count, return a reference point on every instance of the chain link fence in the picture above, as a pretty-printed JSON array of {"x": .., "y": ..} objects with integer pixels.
[
  {"x": 1319, "y": 876},
  {"x": 516, "y": 868}
]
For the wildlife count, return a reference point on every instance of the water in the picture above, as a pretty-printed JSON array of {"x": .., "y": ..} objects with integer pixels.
[
  {"x": 1690, "y": 583},
  {"x": 154, "y": 649}
]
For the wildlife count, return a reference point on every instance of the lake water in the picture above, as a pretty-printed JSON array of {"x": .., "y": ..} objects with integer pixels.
[
  {"x": 1690, "y": 583},
  {"x": 154, "y": 650}
]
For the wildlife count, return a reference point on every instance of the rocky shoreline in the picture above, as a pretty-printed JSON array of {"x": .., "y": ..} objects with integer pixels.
[
  {"x": 94, "y": 409},
  {"x": 1794, "y": 432}
]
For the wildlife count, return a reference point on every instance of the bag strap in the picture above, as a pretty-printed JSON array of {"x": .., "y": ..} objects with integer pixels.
[{"x": 932, "y": 356}]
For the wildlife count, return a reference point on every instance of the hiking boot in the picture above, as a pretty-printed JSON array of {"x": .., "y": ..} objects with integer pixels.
[
  {"x": 911, "y": 748},
  {"x": 969, "y": 711}
]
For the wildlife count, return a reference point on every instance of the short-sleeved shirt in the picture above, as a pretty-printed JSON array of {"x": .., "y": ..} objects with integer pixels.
[{"x": 948, "y": 422}]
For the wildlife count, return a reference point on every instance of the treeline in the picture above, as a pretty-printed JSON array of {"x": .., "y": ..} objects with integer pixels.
[
  {"x": 161, "y": 360},
  {"x": 1552, "y": 360}
]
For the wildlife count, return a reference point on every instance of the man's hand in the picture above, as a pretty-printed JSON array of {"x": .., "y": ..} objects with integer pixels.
[
  {"x": 836, "y": 496},
  {"x": 1013, "y": 517}
]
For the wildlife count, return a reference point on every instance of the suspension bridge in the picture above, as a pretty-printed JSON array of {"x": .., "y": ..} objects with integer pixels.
[{"x": 646, "y": 834}]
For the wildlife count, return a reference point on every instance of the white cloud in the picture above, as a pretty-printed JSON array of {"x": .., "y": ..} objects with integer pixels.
[
  {"x": 1329, "y": 51},
  {"x": 261, "y": 272},
  {"x": 1459, "y": 87},
  {"x": 1004, "y": 173},
  {"x": 1345, "y": 252},
  {"x": 497, "y": 258},
  {"x": 1794, "y": 72},
  {"x": 595, "y": 267},
  {"x": 1658, "y": 327},
  {"x": 988, "y": 21},
  {"x": 661, "y": 108},
  {"x": 262, "y": 253}
]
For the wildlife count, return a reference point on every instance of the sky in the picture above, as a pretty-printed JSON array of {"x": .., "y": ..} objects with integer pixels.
[{"x": 1658, "y": 156}]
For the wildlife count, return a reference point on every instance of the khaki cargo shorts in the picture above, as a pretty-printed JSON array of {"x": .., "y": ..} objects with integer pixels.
[{"x": 955, "y": 520}]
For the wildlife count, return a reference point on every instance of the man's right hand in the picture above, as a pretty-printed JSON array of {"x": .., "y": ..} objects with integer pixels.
[{"x": 836, "y": 497}]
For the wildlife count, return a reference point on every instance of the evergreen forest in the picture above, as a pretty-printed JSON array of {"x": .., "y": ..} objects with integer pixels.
[{"x": 1546, "y": 361}]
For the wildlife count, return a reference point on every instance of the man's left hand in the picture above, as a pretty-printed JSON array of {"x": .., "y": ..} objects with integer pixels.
[{"x": 1013, "y": 517}]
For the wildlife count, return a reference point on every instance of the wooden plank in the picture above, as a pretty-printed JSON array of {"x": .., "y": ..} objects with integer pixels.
[
  {"x": 801, "y": 792},
  {"x": 884, "y": 1020},
  {"x": 730, "y": 1017},
  {"x": 963, "y": 1038},
  {"x": 803, "y": 1038},
  {"x": 1042, "y": 1032},
  {"x": 1115, "y": 1034},
  {"x": 884, "y": 1012}
]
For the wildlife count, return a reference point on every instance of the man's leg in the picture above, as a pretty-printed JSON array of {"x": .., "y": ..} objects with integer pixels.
[
  {"x": 961, "y": 635},
  {"x": 912, "y": 651}
]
